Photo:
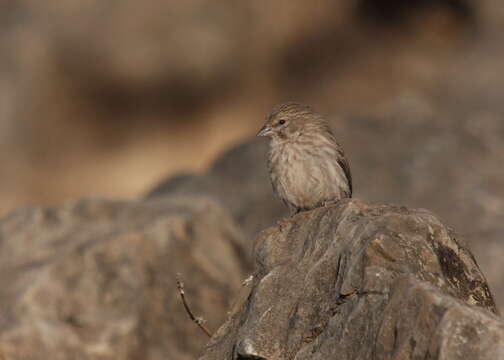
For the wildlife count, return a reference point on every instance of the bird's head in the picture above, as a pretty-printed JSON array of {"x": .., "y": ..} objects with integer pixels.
[{"x": 288, "y": 121}]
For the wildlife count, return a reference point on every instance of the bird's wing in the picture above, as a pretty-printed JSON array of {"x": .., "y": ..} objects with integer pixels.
[{"x": 343, "y": 162}]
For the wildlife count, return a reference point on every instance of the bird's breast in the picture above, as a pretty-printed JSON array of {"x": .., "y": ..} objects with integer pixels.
[{"x": 306, "y": 175}]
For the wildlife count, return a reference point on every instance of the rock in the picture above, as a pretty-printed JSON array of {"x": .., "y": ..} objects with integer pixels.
[
  {"x": 361, "y": 281},
  {"x": 239, "y": 181},
  {"x": 96, "y": 279},
  {"x": 440, "y": 156}
]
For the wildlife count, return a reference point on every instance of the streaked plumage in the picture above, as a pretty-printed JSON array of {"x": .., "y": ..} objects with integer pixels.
[{"x": 307, "y": 166}]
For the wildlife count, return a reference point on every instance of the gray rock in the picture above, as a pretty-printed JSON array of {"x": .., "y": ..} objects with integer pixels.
[
  {"x": 239, "y": 180},
  {"x": 96, "y": 279},
  {"x": 361, "y": 281}
]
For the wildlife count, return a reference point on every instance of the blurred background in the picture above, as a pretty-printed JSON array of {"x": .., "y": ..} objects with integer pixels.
[{"x": 112, "y": 97}]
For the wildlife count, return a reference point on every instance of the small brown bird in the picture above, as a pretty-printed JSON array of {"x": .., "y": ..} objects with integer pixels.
[{"x": 307, "y": 166}]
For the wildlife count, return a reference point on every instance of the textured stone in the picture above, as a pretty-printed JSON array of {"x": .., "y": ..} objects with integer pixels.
[
  {"x": 360, "y": 281},
  {"x": 96, "y": 279}
]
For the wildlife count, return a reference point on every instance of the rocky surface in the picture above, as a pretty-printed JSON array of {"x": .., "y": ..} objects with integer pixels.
[
  {"x": 95, "y": 279},
  {"x": 360, "y": 281},
  {"x": 420, "y": 152}
]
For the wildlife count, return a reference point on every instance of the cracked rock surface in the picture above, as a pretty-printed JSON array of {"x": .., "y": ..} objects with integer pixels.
[{"x": 360, "y": 281}]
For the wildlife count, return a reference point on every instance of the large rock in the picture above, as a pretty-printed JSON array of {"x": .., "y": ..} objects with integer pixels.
[
  {"x": 360, "y": 281},
  {"x": 96, "y": 279},
  {"x": 420, "y": 152},
  {"x": 239, "y": 181}
]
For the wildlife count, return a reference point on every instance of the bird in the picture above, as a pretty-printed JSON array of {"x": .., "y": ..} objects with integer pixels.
[{"x": 307, "y": 166}]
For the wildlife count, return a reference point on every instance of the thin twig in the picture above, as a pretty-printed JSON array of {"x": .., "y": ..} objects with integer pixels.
[{"x": 197, "y": 320}]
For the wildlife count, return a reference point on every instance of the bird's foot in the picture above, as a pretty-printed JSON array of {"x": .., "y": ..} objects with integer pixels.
[{"x": 282, "y": 223}]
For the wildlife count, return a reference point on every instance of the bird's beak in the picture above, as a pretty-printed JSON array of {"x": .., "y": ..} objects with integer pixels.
[{"x": 265, "y": 131}]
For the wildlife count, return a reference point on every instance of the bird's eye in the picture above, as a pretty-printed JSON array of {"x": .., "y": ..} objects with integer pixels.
[{"x": 281, "y": 122}]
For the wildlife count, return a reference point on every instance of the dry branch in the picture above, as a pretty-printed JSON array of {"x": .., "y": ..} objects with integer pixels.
[{"x": 197, "y": 320}]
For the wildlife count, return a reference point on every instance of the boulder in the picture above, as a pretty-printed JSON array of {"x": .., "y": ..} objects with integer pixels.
[
  {"x": 95, "y": 279},
  {"x": 361, "y": 281},
  {"x": 238, "y": 180}
]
